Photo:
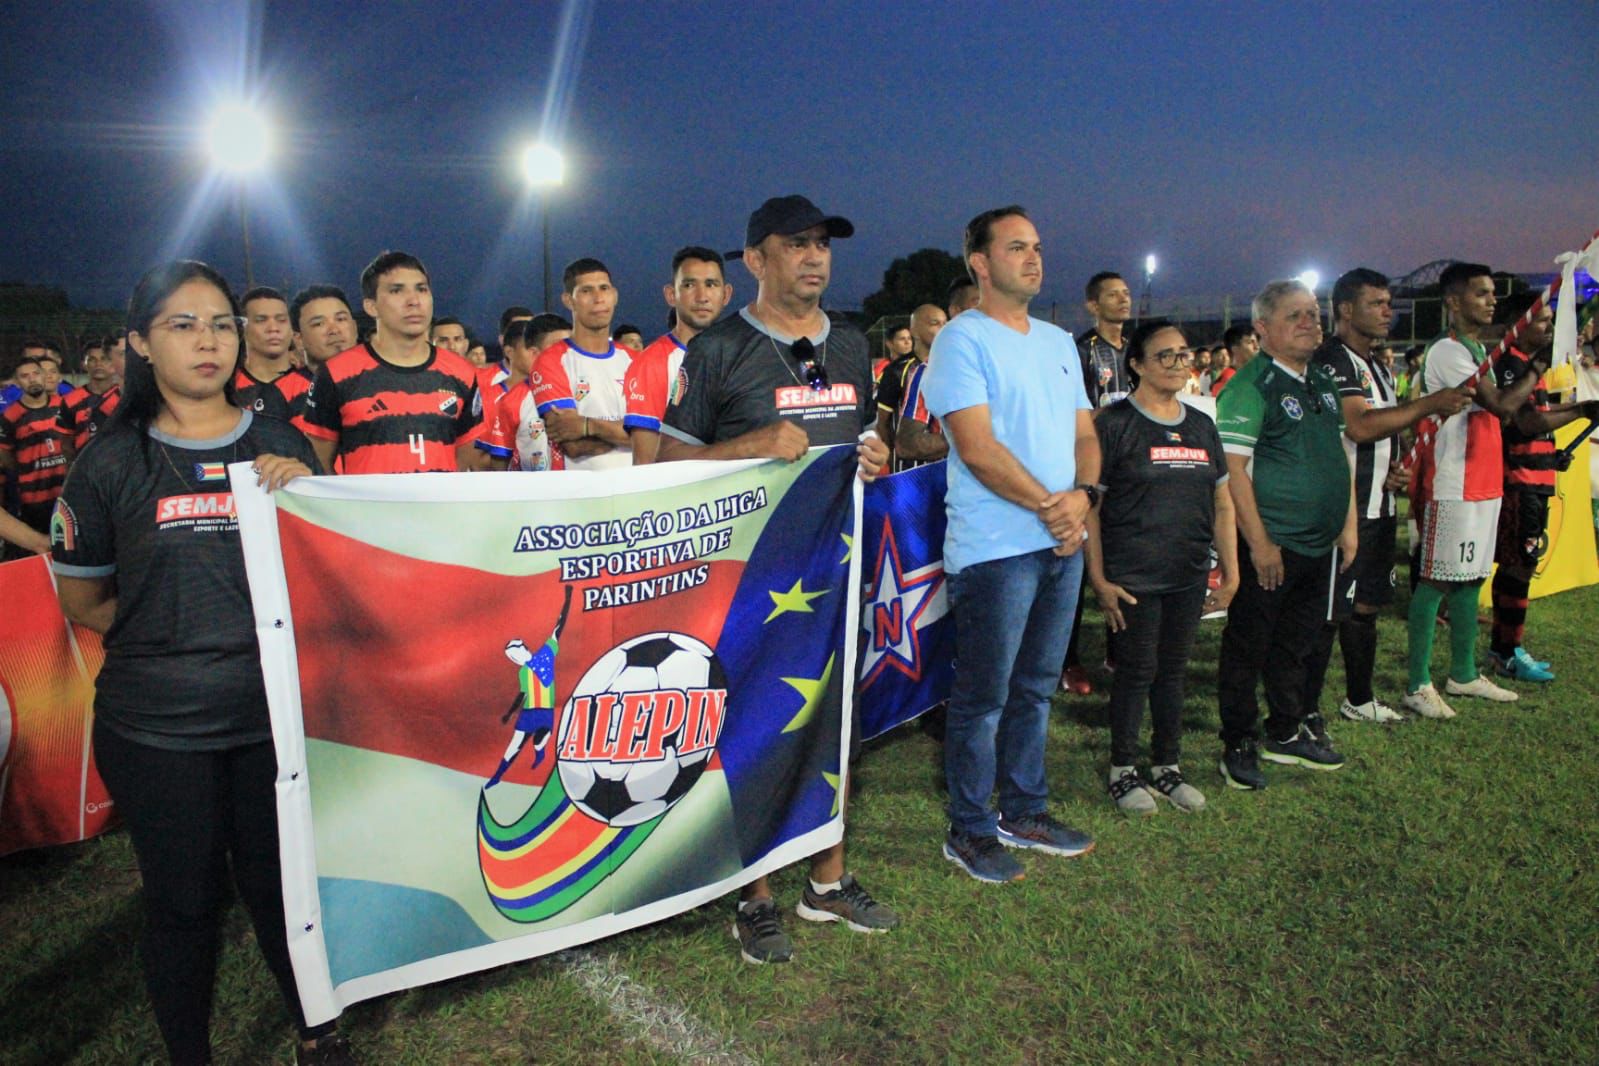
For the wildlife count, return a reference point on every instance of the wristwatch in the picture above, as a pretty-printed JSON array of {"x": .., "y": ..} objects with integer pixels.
[{"x": 1095, "y": 493}]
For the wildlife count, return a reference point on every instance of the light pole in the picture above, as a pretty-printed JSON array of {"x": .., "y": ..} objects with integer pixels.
[
  {"x": 544, "y": 167},
  {"x": 239, "y": 140},
  {"x": 1149, "y": 277}
]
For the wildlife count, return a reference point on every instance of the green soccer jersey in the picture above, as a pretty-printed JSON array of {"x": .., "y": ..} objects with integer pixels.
[{"x": 1293, "y": 428}]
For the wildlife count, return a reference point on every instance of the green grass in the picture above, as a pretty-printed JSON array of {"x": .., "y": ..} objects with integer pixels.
[{"x": 1433, "y": 901}]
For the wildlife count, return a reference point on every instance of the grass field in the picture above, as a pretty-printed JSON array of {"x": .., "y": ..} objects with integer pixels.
[{"x": 1432, "y": 902}]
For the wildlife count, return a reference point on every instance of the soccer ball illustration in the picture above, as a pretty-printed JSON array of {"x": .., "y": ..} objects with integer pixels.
[{"x": 640, "y": 727}]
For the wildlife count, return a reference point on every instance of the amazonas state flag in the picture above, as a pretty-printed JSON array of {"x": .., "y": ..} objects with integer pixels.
[{"x": 439, "y": 813}]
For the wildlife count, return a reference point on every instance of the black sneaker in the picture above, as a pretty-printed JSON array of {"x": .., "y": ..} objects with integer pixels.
[
  {"x": 848, "y": 903},
  {"x": 1301, "y": 749},
  {"x": 982, "y": 857},
  {"x": 1240, "y": 766},
  {"x": 760, "y": 935},
  {"x": 1040, "y": 832},
  {"x": 331, "y": 1050}
]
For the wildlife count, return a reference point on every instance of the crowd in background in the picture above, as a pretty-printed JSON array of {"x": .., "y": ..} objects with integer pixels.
[{"x": 1259, "y": 477}]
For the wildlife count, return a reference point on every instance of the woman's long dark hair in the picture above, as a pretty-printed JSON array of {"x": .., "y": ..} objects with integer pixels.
[
  {"x": 1139, "y": 339},
  {"x": 141, "y": 397}
]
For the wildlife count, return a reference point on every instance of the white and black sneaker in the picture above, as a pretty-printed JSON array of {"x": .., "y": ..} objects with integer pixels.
[
  {"x": 1169, "y": 785},
  {"x": 1130, "y": 793},
  {"x": 1373, "y": 710}
]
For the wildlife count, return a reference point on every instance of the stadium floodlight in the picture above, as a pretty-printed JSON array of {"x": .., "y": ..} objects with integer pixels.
[
  {"x": 1309, "y": 279},
  {"x": 543, "y": 168},
  {"x": 239, "y": 138},
  {"x": 1149, "y": 277},
  {"x": 543, "y": 165}
]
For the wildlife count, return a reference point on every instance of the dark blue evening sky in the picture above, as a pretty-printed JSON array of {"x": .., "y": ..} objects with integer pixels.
[{"x": 1239, "y": 142}]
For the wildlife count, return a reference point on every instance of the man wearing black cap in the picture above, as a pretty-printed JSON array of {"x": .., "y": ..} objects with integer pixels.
[
  {"x": 767, "y": 383},
  {"x": 780, "y": 376}
]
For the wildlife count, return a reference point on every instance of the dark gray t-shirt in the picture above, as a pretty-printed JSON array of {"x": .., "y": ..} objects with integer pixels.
[
  {"x": 740, "y": 376},
  {"x": 182, "y": 666}
]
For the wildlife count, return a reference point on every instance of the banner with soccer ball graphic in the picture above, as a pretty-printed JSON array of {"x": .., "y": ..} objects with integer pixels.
[{"x": 519, "y": 712}]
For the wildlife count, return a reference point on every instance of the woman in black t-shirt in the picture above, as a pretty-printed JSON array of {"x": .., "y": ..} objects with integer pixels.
[
  {"x": 146, "y": 548},
  {"x": 1166, "y": 501}
]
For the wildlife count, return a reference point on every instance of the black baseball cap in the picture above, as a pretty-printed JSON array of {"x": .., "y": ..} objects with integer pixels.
[{"x": 785, "y": 215}]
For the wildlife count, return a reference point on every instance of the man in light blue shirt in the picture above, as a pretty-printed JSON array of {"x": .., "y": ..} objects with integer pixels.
[{"x": 1023, "y": 473}]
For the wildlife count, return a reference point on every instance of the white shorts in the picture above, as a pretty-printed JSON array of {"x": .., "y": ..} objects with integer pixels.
[{"x": 1456, "y": 539}]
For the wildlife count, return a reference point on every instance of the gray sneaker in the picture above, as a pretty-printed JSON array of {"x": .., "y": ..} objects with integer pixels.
[
  {"x": 1131, "y": 797},
  {"x": 982, "y": 857},
  {"x": 760, "y": 935},
  {"x": 848, "y": 903},
  {"x": 1169, "y": 784},
  {"x": 1040, "y": 832}
]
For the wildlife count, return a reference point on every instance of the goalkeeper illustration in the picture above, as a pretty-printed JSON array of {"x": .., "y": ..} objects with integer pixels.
[{"x": 534, "y": 703}]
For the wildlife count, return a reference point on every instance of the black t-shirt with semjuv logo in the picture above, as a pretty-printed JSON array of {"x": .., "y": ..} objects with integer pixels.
[
  {"x": 156, "y": 516},
  {"x": 1159, "y": 513},
  {"x": 739, "y": 376}
]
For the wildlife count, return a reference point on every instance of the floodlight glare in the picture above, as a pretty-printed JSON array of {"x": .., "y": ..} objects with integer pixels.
[
  {"x": 543, "y": 164},
  {"x": 1310, "y": 279},
  {"x": 239, "y": 138},
  {"x": 1149, "y": 264}
]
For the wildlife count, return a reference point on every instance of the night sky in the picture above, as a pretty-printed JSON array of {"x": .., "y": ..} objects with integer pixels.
[{"x": 1239, "y": 142}]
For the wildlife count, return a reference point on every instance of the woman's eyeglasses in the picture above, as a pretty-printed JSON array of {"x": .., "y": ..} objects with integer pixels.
[
  {"x": 1172, "y": 358},
  {"x": 226, "y": 327}
]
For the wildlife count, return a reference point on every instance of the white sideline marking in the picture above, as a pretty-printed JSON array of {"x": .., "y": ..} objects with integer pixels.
[{"x": 664, "y": 1024}]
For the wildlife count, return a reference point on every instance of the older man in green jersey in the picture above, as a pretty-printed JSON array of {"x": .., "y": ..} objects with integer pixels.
[{"x": 1282, "y": 429}]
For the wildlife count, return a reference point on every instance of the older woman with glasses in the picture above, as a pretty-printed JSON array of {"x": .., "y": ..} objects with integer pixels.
[{"x": 1165, "y": 502}]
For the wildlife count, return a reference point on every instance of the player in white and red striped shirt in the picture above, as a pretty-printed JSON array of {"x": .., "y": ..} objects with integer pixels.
[
  {"x": 697, "y": 295},
  {"x": 514, "y": 433},
  {"x": 1455, "y": 493},
  {"x": 578, "y": 383}
]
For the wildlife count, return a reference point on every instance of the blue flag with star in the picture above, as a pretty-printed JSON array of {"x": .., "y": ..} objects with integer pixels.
[
  {"x": 907, "y": 642},
  {"x": 781, "y": 648}
]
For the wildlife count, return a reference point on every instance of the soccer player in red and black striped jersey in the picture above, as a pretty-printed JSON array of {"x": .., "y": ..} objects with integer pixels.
[
  {"x": 1532, "y": 465},
  {"x": 451, "y": 333},
  {"x": 86, "y": 408},
  {"x": 397, "y": 404},
  {"x": 33, "y": 445},
  {"x": 697, "y": 295},
  {"x": 267, "y": 381},
  {"x": 323, "y": 324}
]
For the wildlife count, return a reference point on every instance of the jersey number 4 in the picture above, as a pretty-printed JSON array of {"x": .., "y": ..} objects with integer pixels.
[{"x": 419, "y": 447}]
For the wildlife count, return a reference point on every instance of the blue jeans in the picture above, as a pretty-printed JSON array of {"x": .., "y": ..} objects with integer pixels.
[{"x": 1013, "y": 618}]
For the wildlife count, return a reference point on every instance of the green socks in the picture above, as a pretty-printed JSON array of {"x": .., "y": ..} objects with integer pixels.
[
  {"x": 1424, "y": 603},
  {"x": 1463, "y": 632}
]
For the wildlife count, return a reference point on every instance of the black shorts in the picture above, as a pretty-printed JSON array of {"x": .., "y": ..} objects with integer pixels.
[
  {"x": 1370, "y": 582},
  {"x": 1523, "y": 529}
]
